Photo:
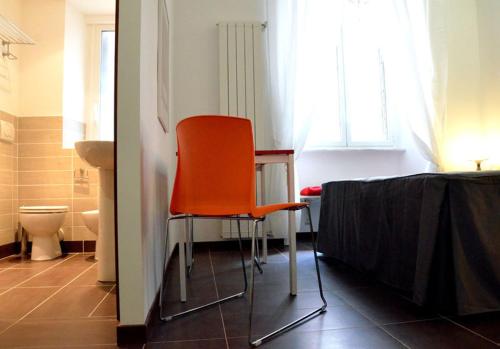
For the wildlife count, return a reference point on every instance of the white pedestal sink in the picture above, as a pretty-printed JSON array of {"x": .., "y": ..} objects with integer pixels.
[{"x": 100, "y": 154}]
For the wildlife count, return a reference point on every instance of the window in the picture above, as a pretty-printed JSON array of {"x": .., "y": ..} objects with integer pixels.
[
  {"x": 101, "y": 97},
  {"x": 352, "y": 85}
]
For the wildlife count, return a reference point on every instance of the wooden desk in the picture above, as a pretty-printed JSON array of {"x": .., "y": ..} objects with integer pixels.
[{"x": 285, "y": 156}]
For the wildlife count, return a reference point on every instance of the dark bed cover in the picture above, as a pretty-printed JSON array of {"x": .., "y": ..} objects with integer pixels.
[{"x": 434, "y": 236}]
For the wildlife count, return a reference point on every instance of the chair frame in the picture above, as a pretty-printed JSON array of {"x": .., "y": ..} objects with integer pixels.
[{"x": 254, "y": 248}]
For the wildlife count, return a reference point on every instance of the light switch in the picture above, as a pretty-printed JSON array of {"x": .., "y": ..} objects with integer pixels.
[{"x": 7, "y": 132}]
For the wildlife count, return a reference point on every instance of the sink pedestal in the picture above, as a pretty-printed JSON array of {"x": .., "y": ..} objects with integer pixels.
[
  {"x": 100, "y": 154},
  {"x": 106, "y": 239}
]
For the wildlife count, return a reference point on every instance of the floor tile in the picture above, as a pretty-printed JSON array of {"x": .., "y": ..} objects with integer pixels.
[
  {"x": 338, "y": 317},
  {"x": 27, "y": 263},
  {"x": 200, "y": 325},
  {"x": 4, "y": 324},
  {"x": 198, "y": 344},
  {"x": 58, "y": 276},
  {"x": 438, "y": 334},
  {"x": 12, "y": 277},
  {"x": 383, "y": 306},
  {"x": 87, "y": 278},
  {"x": 78, "y": 259},
  {"x": 366, "y": 338},
  {"x": 487, "y": 325},
  {"x": 82, "y": 346},
  {"x": 270, "y": 299},
  {"x": 19, "y": 301},
  {"x": 71, "y": 303},
  {"x": 108, "y": 306},
  {"x": 59, "y": 333}
]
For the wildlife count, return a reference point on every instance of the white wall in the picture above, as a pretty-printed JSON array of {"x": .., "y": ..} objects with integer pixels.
[
  {"x": 75, "y": 74},
  {"x": 196, "y": 75},
  {"x": 145, "y": 161},
  {"x": 128, "y": 176},
  {"x": 157, "y": 155}
]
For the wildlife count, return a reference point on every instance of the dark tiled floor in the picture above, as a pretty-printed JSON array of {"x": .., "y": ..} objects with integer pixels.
[
  {"x": 55, "y": 304},
  {"x": 361, "y": 313},
  {"x": 59, "y": 304}
]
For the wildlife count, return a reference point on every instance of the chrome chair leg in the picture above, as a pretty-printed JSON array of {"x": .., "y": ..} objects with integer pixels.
[
  {"x": 189, "y": 245},
  {"x": 257, "y": 260},
  {"x": 322, "y": 309},
  {"x": 252, "y": 281},
  {"x": 222, "y": 300}
]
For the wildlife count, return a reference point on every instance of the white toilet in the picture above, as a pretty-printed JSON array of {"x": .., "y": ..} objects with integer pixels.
[
  {"x": 43, "y": 224},
  {"x": 91, "y": 220}
]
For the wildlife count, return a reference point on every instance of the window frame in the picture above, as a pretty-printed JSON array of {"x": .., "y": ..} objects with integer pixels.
[
  {"x": 96, "y": 27},
  {"x": 345, "y": 123}
]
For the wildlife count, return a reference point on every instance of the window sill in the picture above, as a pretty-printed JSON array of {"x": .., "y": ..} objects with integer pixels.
[{"x": 358, "y": 149}]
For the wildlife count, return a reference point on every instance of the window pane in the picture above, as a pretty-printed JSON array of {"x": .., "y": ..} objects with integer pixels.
[
  {"x": 106, "y": 86},
  {"x": 364, "y": 78},
  {"x": 317, "y": 76}
]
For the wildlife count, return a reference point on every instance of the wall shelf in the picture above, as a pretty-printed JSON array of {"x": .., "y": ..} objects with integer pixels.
[{"x": 11, "y": 34}]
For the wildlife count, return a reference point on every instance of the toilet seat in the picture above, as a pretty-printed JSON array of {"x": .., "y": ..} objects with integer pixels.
[{"x": 43, "y": 209}]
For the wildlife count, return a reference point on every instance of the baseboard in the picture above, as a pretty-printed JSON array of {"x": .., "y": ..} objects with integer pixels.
[
  {"x": 139, "y": 334},
  {"x": 78, "y": 246},
  {"x": 66, "y": 247},
  {"x": 8, "y": 250}
]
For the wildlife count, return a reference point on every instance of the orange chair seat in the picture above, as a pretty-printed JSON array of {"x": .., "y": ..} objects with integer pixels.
[{"x": 261, "y": 211}]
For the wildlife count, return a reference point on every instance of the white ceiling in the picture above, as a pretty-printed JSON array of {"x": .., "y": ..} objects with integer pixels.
[{"x": 94, "y": 7}]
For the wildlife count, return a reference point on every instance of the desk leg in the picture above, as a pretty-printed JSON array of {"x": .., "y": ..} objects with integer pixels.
[
  {"x": 263, "y": 202},
  {"x": 189, "y": 244},
  {"x": 182, "y": 261},
  {"x": 292, "y": 236}
]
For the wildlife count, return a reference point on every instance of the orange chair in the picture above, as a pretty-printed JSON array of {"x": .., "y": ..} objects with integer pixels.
[{"x": 215, "y": 179}]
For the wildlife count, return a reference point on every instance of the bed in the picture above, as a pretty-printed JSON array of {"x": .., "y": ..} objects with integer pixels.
[{"x": 435, "y": 237}]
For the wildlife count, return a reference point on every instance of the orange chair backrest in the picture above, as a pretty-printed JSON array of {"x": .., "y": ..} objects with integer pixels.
[{"x": 215, "y": 166}]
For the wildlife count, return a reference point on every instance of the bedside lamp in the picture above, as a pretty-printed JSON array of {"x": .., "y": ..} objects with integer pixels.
[{"x": 478, "y": 163}]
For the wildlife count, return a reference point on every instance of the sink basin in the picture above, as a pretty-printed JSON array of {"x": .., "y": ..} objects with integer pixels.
[{"x": 99, "y": 154}]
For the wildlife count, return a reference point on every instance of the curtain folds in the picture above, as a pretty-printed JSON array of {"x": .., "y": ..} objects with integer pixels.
[
  {"x": 424, "y": 45},
  {"x": 302, "y": 37}
]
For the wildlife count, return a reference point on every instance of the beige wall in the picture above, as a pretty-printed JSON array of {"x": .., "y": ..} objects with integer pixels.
[
  {"x": 488, "y": 12},
  {"x": 473, "y": 118},
  {"x": 36, "y": 170},
  {"x": 50, "y": 175},
  {"x": 42, "y": 64},
  {"x": 463, "y": 124},
  {"x": 8, "y": 188},
  {"x": 10, "y": 69}
]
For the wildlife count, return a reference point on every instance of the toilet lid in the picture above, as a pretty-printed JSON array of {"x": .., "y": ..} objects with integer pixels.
[{"x": 43, "y": 209}]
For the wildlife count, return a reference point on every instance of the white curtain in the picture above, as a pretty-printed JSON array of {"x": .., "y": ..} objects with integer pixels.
[
  {"x": 301, "y": 46},
  {"x": 282, "y": 61},
  {"x": 298, "y": 79},
  {"x": 422, "y": 25}
]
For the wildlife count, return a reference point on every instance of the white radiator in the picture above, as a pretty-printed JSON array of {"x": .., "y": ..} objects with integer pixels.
[{"x": 241, "y": 83}]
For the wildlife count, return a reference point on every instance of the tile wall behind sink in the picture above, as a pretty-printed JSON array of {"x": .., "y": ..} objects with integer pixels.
[
  {"x": 8, "y": 186},
  {"x": 36, "y": 170}
]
